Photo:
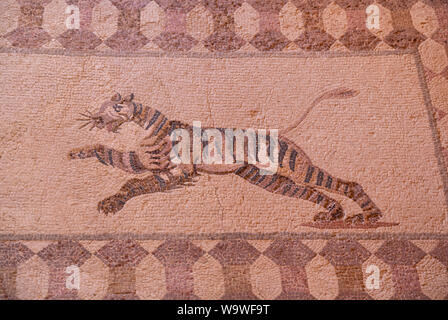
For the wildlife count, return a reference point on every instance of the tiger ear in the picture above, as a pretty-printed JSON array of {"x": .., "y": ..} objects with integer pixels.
[
  {"x": 129, "y": 98},
  {"x": 116, "y": 97}
]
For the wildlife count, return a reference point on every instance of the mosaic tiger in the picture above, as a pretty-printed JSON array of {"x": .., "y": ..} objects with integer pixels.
[{"x": 296, "y": 175}]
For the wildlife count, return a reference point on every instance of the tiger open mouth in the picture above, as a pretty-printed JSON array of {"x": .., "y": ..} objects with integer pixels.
[
  {"x": 114, "y": 126},
  {"x": 98, "y": 121}
]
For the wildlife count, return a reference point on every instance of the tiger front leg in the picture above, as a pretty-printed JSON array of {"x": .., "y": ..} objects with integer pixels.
[
  {"x": 86, "y": 152},
  {"x": 130, "y": 161},
  {"x": 126, "y": 161}
]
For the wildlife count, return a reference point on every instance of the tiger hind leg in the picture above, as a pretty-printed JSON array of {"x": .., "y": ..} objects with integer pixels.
[
  {"x": 320, "y": 179},
  {"x": 279, "y": 184},
  {"x": 153, "y": 183}
]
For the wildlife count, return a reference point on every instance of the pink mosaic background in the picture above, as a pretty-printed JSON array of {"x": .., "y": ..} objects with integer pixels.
[{"x": 168, "y": 266}]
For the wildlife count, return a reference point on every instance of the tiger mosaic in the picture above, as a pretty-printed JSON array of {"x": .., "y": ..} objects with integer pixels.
[{"x": 296, "y": 175}]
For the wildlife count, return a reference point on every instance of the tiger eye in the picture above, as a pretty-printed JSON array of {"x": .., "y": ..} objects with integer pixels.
[{"x": 117, "y": 108}]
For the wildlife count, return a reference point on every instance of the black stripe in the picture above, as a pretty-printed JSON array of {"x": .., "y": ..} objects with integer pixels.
[
  {"x": 305, "y": 190},
  {"x": 153, "y": 119},
  {"x": 287, "y": 188},
  {"x": 110, "y": 157},
  {"x": 294, "y": 192},
  {"x": 172, "y": 127},
  {"x": 272, "y": 181},
  {"x": 365, "y": 204},
  {"x": 277, "y": 186},
  {"x": 329, "y": 182},
  {"x": 320, "y": 178},
  {"x": 161, "y": 181},
  {"x": 133, "y": 162},
  {"x": 140, "y": 108},
  {"x": 250, "y": 173},
  {"x": 99, "y": 158},
  {"x": 309, "y": 174},
  {"x": 160, "y": 126},
  {"x": 255, "y": 177},
  {"x": 281, "y": 153},
  {"x": 319, "y": 199},
  {"x": 240, "y": 170},
  {"x": 359, "y": 193},
  {"x": 292, "y": 160},
  {"x": 261, "y": 179}
]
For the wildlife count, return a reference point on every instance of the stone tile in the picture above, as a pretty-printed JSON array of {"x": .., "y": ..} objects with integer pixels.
[
  {"x": 433, "y": 277},
  {"x": 178, "y": 257},
  {"x": 292, "y": 24},
  {"x": 266, "y": 278},
  {"x": 403, "y": 257},
  {"x": 208, "y": 270},
  {"x": 199, "y": 23},
  {"x": 246, "y": 21},
  {"x": 32, "y": 280},
  {"x": 424, "y": 18},
  {"x": 9, "y": 16},
  {"x": 322, "y": 287},
  {"x": 150, "y": 280},
  {"x": 434, "y": 55},
  {"x": 335, "y": 20}
]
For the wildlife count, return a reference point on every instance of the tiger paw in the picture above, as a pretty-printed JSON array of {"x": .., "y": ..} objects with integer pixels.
[
  {"x": 374, "y": 217},
  {"x": 77, "y": 154},
  {"x": 321, "y": 217},
  {"x": 363, "y": 218},
  {"x": 355, "y": 219},
  {"x": 111, "y": 205},
  {"x": 85, "y": 152},
  {"x": 333, "y": 215},
  {"x": 324, "y": 217}
]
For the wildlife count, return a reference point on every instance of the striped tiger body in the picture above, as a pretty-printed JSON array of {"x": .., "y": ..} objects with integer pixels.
[{"x": 296, "y": 175}]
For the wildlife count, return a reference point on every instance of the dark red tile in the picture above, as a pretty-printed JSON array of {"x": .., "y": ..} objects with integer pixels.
[
  {"x": 178, "y": 257},
  {"x": 292, "y": 257},
  {"x": 236, "y": 257},
  {"x": 347, "y": 257},
  {"x": 403, "y": 256}
]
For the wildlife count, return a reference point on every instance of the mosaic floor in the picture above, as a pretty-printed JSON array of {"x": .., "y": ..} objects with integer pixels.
[{"x": 229, "y": 64}]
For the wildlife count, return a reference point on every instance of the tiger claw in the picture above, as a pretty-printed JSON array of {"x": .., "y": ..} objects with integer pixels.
[
  {"x": 322, "y": 217},
  {"x": 374, "y": 217},
  {"x": 325, "y": 217},
  {"x": 363, "y": 218},
  {"x": 332, "y": 215},
  {"x": 355, "y": 219},
  {"x": 85, "y": 152},
  {"x": 77, "y": 154}
]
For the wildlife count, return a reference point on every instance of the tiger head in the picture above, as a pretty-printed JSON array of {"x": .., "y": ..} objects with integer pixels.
[{"x": 112, "y": 113}]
